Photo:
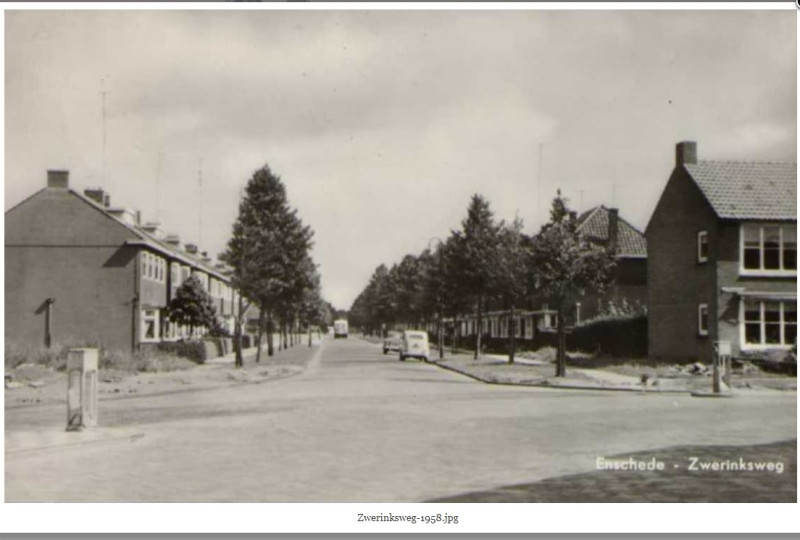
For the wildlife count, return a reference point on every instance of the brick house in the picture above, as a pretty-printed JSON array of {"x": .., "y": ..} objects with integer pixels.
[
  {"x": 78, "y": 270},
  {"x": 722, "y": 262},
  {"x": 602, "y": 226}
]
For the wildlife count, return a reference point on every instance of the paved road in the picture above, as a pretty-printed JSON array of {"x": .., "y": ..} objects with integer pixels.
[{"x": 359, "y": 426}]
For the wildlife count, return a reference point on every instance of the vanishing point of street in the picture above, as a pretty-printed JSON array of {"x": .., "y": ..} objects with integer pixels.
[{"x": 360, "y": 426}]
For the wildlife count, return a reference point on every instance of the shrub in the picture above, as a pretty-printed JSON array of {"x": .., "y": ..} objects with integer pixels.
[
  {"x": 54, "y": 357},
  {"x": 148, "y": 360}
]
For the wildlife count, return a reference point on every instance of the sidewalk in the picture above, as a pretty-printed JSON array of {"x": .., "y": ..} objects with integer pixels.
[{"x": 577, "y": 378}]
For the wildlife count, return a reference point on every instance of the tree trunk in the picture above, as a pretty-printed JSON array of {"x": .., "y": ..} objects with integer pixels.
[
  {"x": 513, "y": 343},
  {"x": 260, "y": 333},
  {"x": 285, "y": 336},
  {"x": 561, "y": 356},
  {"x": 478, "y": 328},
  {"x": 309, "y": 335},
  {"x": 455, "y": 333},
  {"x": 237, "y": 331},
  {"x": 270, "y": 332}
]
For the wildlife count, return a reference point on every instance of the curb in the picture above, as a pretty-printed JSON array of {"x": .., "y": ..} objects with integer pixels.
[{"x": 544, "y": 384}]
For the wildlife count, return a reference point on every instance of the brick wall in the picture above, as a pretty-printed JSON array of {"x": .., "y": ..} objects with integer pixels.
[
  {"x": 677, "y": 283},
  {"x": 60, "y": 246}
]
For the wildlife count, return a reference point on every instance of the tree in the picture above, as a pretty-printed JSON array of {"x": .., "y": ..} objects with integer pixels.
[
  {"x": 192, "y": 306},
  {"x": 565, "y": 264},
  {"x": 268, "y": 250},
  {"x": 513, "y": 254},
  {"x": 474, "y": 258}
]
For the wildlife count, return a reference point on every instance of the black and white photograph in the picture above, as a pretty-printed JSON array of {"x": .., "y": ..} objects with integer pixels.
[{"x": 419, "y": 262}]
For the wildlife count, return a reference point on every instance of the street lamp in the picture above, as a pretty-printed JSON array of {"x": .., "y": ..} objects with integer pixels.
[{"x": 439, "y": 329}]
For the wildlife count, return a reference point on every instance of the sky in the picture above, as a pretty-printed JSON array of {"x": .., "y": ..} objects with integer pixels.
[{"x": 382, "y": 124}]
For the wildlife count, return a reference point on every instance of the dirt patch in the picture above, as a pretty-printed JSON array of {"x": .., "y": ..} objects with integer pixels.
[{"x": 33, "y": 385}]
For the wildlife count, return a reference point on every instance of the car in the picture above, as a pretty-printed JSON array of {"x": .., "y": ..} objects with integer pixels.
[
  {"x": 414, "y": 344},
  {"x": 392, "y": 341}
]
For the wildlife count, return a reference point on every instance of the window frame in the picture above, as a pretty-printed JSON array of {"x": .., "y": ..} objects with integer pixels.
[
  {"x": 762, "y": 271},
  {"x": 701, "y": 308},
  {"x": 763, "y": 345},
  {"x": 702, "y": 240},
  {"x": 143, "y": 318}
]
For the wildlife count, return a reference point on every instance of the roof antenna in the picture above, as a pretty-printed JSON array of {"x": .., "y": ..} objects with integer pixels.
[
  {"x": 158, "y": 188},
  {"x": 539, "y": 186},
  {"x": 103, "y": 93},
  {"x": 200, "y": 203}
]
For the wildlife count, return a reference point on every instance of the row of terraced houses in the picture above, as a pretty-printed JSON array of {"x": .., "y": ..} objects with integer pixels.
[
  {"x": 717, "y": 262},
  {"x": 79, "y": 270}
]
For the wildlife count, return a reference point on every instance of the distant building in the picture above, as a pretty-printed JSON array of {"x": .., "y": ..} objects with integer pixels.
[
  {"x": 604, "y": 227},
  {"x": 722, "y": 264},
  {"x": 78, "y": 270}
]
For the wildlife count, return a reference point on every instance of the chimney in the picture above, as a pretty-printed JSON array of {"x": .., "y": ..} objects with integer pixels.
[
  {"x": 685, "y": 153},
  {"x": 106, "y": 200},
  {"x": 138, "y": 217},
  {"x": 613, "y": 228},
  {"x": 58, "y": 179},
  {"x": 97, "y": 195},
  {"x": 573, "y": 215},
  {"x": 191, "y": 248}
]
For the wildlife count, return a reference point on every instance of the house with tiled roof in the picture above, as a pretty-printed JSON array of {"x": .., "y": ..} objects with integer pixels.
[
  {"x": 605, "y": 227},
  {"x": 536, "y": 318},
  {"x": 80, "y": 271},
  {"x": 722, "y": 259}
]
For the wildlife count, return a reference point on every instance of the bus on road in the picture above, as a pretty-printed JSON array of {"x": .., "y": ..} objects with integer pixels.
[{"x": 340, "y": 328}]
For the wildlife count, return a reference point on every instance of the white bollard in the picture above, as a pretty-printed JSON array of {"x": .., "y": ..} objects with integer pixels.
[{"x": 82, "y": 367}]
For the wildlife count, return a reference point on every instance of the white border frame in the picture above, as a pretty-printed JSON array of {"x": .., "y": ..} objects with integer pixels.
[{"x": 326, "y": 518}]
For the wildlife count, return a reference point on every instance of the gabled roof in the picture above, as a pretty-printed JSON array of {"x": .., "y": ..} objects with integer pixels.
[
  {"x": 146, "y": 239},
  {"x": 594, "y": 225},
  {"x": 748, "y": 190}
]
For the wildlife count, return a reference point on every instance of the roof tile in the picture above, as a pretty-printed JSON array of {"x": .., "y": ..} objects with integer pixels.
[
  {"x": 630, "y": 242},
  {"x": 748, "y": 190}
]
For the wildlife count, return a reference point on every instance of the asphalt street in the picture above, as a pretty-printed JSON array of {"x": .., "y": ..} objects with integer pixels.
[{"x": 360, "y": 426}]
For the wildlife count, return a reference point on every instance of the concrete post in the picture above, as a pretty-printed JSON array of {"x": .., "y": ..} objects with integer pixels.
[{"x": 82, "y": 365}]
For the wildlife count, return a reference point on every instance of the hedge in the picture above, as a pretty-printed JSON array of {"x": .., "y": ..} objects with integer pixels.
[
  {"x": 193, "y": 350},
  {"x": 615, "y": 337}
]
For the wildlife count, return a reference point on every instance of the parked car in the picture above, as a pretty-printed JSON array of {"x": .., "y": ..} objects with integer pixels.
[
  {"x": 414, "y": 344},
  {"x": 392, "y": 341}
]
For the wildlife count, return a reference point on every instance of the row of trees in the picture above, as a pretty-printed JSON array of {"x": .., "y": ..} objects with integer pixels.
[
  {"x": 270, "y": 253},
  {"x": 488, "y": 262}
]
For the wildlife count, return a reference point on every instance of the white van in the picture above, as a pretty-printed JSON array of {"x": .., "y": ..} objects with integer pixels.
[{"x": 414, "y": 344}]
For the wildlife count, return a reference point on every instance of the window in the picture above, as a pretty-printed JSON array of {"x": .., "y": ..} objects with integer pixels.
[
  {"x": 702, "y": 320},
  {"x": 769, "y": 323},
  {"x": 577, "y": 313},
  {"x": 769, "y": 248},
  {"x": 702, "y": 246},
  {"x": 149, "y": 325}
]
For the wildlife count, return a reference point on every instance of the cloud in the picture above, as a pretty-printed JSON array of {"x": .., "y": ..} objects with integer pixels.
[{"x": 383, "y": 123}]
